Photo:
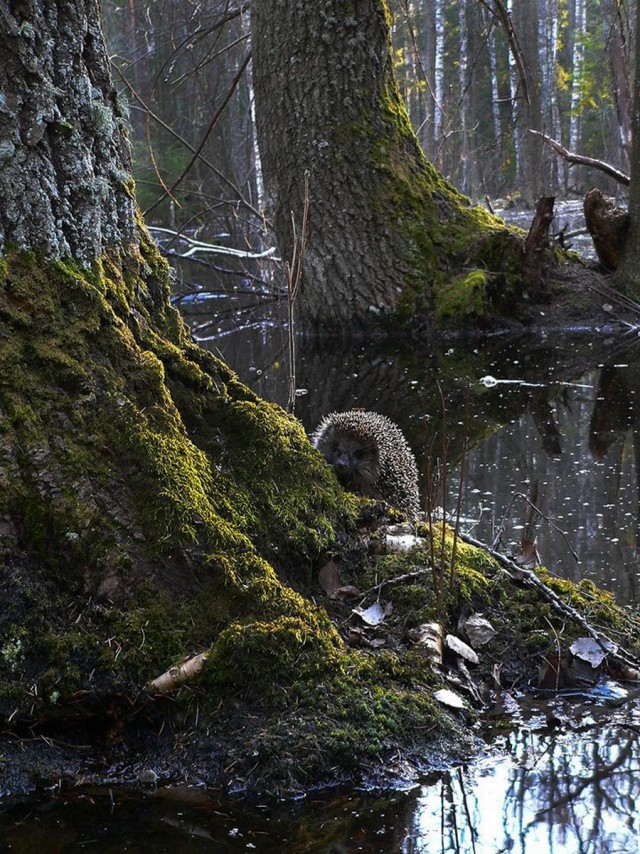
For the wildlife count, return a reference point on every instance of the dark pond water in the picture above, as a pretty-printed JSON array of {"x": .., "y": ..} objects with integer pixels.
[
  {"x": 544, "y": 420},
  {"x": 571, "y": 789}
]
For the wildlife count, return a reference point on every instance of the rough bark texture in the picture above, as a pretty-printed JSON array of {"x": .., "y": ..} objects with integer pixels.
[
  {"x": 65, "y": 175},
  {"x": 384, "y": 227},
  {"x": 627, "y": 276},
  {"x": 151, "y": 506},
  {"x": 608, "y": 226}
]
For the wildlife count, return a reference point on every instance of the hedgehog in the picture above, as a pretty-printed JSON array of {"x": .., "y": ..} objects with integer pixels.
[{"x": 371, "y": 456}]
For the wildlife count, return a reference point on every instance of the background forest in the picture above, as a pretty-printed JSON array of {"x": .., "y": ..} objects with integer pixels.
[{"x": 476, "y": 76}]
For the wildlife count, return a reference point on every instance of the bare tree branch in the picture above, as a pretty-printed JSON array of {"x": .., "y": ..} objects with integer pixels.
[
  {"x": 580, "y": 159},
  {"x": 188, "y": 145},
  {"x": 207, "y": 134}
]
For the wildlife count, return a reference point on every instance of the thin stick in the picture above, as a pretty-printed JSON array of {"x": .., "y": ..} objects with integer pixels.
[{"x": 294, "y": 278}]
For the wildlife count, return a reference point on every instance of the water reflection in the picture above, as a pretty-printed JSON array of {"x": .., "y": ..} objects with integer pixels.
[
  {"x": 550, "y": 791},
  {"x": 562, "y": 440}
]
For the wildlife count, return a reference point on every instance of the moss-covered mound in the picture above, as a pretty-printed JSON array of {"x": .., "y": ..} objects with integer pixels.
[{"x": 153, "y": 508}]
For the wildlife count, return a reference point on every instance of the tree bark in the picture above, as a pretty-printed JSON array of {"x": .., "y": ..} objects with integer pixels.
[
  {"x": 627, "y": 276},
  {"x": 384, "y": 228},
  {"x": 150, "y": 505},
  {"x": 65, "y": 176}
]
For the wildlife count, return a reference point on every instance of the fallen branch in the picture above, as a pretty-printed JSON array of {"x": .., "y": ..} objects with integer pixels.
[
  {"x": 399, "y": 579},
  {"x": 581, "y": 160},
  {"x": 174, "y": 677},
  {"x": 519, "y": 573},
  {"x": 201, "y": 246}
]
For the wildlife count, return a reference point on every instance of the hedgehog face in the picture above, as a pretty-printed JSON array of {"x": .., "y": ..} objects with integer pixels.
[
  {"x": 354, "y": 457},
  {"x": 356, "y": 461}
]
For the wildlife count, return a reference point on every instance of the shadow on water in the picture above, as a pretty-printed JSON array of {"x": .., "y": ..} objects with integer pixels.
[{"x": 568, "y": 790}]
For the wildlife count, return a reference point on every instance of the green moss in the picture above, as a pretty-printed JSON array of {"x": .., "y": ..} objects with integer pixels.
[
  {"x": 153, "y": 507},
  {"x": 265, "y": 655},
  {"x": 463, "y": 299},
  {"x": 99, "y": 387}
]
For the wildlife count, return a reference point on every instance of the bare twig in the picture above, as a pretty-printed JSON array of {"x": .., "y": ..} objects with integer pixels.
[
  {"x": 205, "y": 137},
  {"x": 294, "y": 278},
  {"x": 399, "y": 579},
  {"x": 581, "y": 160},
  {"x": 500, "y": 11},
  {"x": 187, "y": 144}
]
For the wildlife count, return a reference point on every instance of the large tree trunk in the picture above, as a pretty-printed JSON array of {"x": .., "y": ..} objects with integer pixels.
[
  {"x": 151, "y": 507},
  {"x": 65, "y": 171},
  {"x": 627, "y": 276},
  {"x": 147, "y": 498},
  {"x": 385, "y": 229}
]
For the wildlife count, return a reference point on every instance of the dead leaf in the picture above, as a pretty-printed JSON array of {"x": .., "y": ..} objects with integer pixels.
[
  {"x": 329, "y": 577},
  {"x": 449, "y": 698},
  {"x": 461, "y": 648},
  {"x": 630, "y": 674},
  {"x": 374, "y": 614},
  {"x": 355, "y": 636},
  {"x": 428, "y": 637},
  {"x": 528, "y": 556},
  {"x": 478, "y": 630},
  {"x": 588, "y": 649}
]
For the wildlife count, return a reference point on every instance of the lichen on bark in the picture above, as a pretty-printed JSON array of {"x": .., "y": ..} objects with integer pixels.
[{"x": 62, "y": 134}]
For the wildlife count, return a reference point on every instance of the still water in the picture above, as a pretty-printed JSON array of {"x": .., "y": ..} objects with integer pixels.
[
  {"x": 547, "y": 421},
  {"x": 571, "y": 789},
  {"x": 538, "y": 432}
]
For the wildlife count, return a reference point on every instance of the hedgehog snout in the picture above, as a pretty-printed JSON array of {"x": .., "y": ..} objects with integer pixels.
[{"x": 342, "y": 461}]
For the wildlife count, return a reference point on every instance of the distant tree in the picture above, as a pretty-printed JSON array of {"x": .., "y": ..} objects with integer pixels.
[{"x": 385, "y": 229}]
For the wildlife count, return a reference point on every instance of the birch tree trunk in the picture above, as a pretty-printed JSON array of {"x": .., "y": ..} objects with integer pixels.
[
  {"x": 466, "y": 180},
  {"x": 495, "y": 92},
  {"x": 577, "y": 65},
  {"x": 548, "y": 24},
  {"x": 438, "y": 82},
  {"x": 515, "y": 94}
]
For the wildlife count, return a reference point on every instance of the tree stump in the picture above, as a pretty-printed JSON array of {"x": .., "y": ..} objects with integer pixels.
[{"x": 608, "y": 226}]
